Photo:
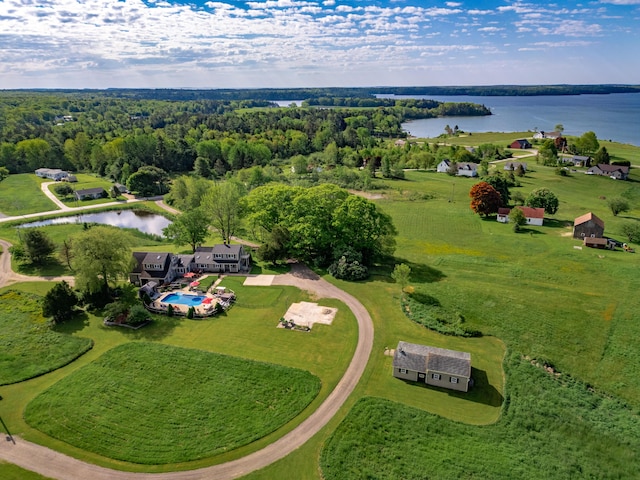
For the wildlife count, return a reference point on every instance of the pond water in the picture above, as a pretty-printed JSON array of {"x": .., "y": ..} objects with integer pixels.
[{"x": 141, "y": 220}]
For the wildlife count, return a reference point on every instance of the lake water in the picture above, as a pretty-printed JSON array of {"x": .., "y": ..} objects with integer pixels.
[
  {"x": 612, "y": 117},
  {"x": 139, "y": 219}
]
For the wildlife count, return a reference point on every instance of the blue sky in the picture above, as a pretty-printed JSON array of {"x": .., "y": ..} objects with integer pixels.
[{"x": 291, "y": 43}]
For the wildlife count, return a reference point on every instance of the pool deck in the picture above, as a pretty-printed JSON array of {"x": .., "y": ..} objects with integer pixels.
[{"x": 201, "y": 309}]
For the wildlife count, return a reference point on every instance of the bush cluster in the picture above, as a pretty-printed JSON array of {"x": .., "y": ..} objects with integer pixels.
[{"x": 427, "y": 311}]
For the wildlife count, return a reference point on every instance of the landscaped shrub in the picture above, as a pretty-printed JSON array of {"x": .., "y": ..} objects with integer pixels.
[
  {"x": 427, "y": 311},
  {"x": 348, "y": 266},
  {"x": 170, "y": 310},
  {"x": 190, "y": 312},
  {"x": 137, "y": 315}
]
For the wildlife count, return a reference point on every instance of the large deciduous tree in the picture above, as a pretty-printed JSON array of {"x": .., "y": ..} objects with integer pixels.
[
  {"x": 618, "y": 205},
  {"x": 223, "y": 206},
  {"x": 602, "y": 156},
  {"x": 543, "y": 198},
  {"x": 501, "y": 184},
  {"x": 587, "y": 143},
  {"x": 190, "y": 228},
  {"x": 323, "y": 222},
  {"x": 38, "y": 247},
  {"x": 59, "y": 302},
  {"x": 485, "y": 200},
  {"x": 148, "y": 181},
  {"x": 100, "y": 255}
]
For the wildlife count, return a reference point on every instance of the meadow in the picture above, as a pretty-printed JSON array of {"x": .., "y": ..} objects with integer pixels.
[
  {"x": 552, "y": 427},
  {"x": 20, "y": 194},
  {"x": 530, "y": 293},
  {"x": 156, "y": 404},
  {"x": 28, "y": 346},
  {"x": 247, "y": 332}
]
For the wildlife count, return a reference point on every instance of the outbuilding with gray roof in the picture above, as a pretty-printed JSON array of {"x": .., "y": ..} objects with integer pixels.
[{"x": 432, "y": 365}]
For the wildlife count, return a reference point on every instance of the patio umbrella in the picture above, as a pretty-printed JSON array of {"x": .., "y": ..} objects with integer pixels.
[
  {"x": 194, "y": 284},
  {"x": 207, "y": 300},
  {"x": 189, "y": 275}
]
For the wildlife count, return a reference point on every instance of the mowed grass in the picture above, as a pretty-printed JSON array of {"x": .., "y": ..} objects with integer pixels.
[
  {"x": 28, "y": 346},
  {"x": 155, "y": 404},
  {"x": 533, "y": 290},
  {"x": 552, "y": 428},
  {"x": 9, "y": 471},
  {"x": 21, "y": 194}
]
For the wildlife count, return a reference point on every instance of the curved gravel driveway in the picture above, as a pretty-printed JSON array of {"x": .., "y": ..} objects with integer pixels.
[{"x": 57, "y": 465}]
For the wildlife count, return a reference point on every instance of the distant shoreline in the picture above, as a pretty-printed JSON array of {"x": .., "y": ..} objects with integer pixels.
[{"x": 275, "y": 94}]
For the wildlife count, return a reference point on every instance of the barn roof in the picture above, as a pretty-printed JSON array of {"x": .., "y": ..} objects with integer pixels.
[{"x": 587, "y": 217}]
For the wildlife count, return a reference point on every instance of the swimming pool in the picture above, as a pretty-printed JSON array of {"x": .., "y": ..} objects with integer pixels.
[{"x": 183, "y": 299}]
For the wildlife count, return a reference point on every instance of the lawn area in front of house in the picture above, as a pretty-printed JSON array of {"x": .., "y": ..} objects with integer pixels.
[{"x": 156, "y": 404}]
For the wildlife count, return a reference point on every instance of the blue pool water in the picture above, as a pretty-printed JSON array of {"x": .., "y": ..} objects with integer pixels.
[{"x": 182, "y": 299}]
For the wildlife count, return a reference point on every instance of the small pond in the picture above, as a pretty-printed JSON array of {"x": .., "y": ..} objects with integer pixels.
[{"x": 140, "y": 219}]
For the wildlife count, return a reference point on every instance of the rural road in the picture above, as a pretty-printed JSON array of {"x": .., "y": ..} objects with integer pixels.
[
  {"x": 59, "y": 466},
  {"x": 8, "y": 276}
]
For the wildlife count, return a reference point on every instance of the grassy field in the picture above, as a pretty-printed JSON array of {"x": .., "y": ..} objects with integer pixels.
[
  {"x": 13, "y": 472},
  {"x": 28, "y": 346},
  {"x": 20, "y": 194},
  {"x": 157, "y": 404},
  {"x": 241, "y": 332},
  {"x": 552, "y": 428}
]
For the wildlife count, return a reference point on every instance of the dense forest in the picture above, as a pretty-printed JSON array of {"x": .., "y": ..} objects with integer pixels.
[{"x": 115, "y": 133}]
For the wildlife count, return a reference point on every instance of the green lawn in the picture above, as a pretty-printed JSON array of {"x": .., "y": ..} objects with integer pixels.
[
  {"x": 28, "y": 346},
  {"x": 20, "y": 194},
  {"x": 552, "y": 428},
  {"x": 9, "y": 471},
  {"x": 250, "y": 333},
  {"x": 156, "y": 404}
]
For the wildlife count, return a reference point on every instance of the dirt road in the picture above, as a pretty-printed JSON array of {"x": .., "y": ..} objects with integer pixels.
[
  {"x": 8, "y": 276},
  {"x": 56, "y": 465}
]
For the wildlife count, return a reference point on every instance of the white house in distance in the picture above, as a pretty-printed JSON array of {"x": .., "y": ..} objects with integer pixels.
[
  {"x": 464, "y": 169},
  {"x": 534, "y": 216},
  {"x": 432, "y": 365},
  {"x": 52, "y": 173}
]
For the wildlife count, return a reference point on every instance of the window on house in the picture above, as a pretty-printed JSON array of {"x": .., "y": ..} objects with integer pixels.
[
  {"x": 435, "y": 376},
  {"x": 403, "y": 370},
  {"x": 453, "y": 379}
]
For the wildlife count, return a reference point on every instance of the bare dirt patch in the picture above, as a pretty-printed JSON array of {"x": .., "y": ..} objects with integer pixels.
[
  {"x": 306, "y": 314},
  {"x": 259, "y": 281}
]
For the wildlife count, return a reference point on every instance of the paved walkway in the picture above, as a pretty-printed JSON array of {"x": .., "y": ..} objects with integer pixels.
[{"x": 59, "y": 466}]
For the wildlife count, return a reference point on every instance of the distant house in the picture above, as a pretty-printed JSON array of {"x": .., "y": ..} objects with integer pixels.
[
  {"x": 52, "y": 173},
  {"x": 463, "y": 169},
  {"x": 400, "y": 143},
  {"x": 581, "y": 161},
  {"x": 467, "y": 169},
  {"x": 513, "y": 166},
  {"x": 588, "y": 225},
  {"x": 434, "y": 366},
  {"x": 70, "y": 178},
  {"x": 617, "y": 172},
  {"x": 121, "y": 188},
  {"x": 90, "y": 193},
  {"x": 534, "y": 216},
  {"x": 443, "y": 166},
  {"x": 521, "y": 144}
]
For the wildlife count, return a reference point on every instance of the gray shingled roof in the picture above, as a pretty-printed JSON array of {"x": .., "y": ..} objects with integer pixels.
[{"x": 423, "y": 358}]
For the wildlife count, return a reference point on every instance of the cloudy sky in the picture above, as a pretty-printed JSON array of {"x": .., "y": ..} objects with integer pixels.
[{"x": 299, "y": 43}]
